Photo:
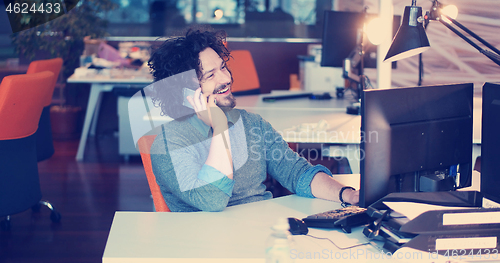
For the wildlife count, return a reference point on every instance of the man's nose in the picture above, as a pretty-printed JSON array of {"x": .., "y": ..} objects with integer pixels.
[{"x": 225, "y": 77}]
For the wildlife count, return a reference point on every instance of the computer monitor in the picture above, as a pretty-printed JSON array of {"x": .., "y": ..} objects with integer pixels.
[
  {"x": 415, "y": 139},
  {"x": 490, "y": 142},
  {"x": 340, "y": 37}
]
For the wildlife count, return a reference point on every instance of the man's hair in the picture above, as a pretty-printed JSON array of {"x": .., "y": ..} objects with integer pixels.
[{"x": 180, "y": 54}]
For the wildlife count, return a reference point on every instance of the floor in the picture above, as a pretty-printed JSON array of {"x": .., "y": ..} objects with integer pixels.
[{"x": 87, "y": 194}]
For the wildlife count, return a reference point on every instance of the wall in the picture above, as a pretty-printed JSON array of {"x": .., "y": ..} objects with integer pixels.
[{"x": 274, "y": 61}]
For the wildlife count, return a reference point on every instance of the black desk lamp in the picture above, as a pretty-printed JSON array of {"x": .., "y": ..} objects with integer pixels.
[{"x": 411, "y": 38}]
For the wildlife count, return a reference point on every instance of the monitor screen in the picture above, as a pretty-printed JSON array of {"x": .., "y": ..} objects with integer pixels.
[
  {"x": 416, "y": 139},
  {"x": 340, "y": 37},
  {"x": 490, "y": 142}
]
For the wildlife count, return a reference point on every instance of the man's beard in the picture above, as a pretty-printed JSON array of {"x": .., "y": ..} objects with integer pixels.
[{"x": 229, "y": 103}]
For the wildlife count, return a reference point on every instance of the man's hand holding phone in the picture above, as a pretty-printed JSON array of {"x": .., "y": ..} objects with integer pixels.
[{"x": 207, "y": 110}]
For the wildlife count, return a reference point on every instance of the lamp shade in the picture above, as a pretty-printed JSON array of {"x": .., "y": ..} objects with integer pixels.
[{"x": 411, "y": 38}]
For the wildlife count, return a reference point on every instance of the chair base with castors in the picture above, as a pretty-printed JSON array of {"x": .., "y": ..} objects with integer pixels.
[{"x": 55, "y": 216}]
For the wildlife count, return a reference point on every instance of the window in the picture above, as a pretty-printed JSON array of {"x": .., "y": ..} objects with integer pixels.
[
  {"x": 130, "y": 11},
  {"x": 240, "y": 18},
  {"x": 213, "y": 11}
]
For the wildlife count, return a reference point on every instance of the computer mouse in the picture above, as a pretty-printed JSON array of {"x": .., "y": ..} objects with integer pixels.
[{"x": 297, "y": 226}]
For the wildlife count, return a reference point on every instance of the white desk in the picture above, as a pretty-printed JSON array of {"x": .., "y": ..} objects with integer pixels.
[
  {"x": 342, "y": 137},
  {"x": 99, "y": 84},
  {"x": 238, "y": 234},
  {"x": 284, "y": 115}
]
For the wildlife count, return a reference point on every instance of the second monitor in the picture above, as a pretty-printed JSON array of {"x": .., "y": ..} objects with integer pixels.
[
  {"x": 341, "y": 35},
  {"x": 415, "y": 139}
]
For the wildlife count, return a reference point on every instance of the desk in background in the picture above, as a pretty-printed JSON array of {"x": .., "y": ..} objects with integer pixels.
[
  {"x": 284, "y": 115},
  {"x": 341, "y": 139},
  {"x": 99, "y": 84},
  {"x": 281, "y": 114}
]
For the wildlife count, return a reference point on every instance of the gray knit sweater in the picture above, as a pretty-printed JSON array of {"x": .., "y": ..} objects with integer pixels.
[{"x": 180, "y": 150}]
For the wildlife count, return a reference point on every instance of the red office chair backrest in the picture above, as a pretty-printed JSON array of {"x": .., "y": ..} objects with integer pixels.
[
  {"x": 243, "y": 71},
  {"x": 20, "y": 103},
  {"x": 53, "y": 65},
  {"x": 144, "y": 144}
]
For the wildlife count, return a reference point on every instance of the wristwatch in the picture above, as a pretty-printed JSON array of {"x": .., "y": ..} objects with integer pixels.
[{"x": 344, "y": 203}]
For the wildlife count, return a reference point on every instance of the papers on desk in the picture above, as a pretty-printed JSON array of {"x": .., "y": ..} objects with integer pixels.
[{"x": 412, "y": 210}]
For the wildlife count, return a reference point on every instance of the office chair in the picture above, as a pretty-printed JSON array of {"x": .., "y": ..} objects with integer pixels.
[
  {"x": 20, "y": 111},
  {"x": 246, "y": 80},
  {"x": 44, "y": 143},
  {"x": 144, "y": 144}
]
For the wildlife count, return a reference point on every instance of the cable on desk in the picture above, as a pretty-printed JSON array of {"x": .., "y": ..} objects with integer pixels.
[{"x": 358, "y": 245}]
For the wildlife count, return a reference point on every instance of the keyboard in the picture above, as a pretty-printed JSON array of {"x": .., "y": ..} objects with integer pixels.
[{"x": 344, "y": 218}]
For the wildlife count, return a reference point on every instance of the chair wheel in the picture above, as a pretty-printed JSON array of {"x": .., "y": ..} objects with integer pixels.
[
  {"x": 55, "y": 217},
  {"x": 5, "y": 225}
]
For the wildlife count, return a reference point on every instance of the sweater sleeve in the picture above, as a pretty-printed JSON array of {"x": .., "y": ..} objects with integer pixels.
[
  {"x": 286, "y": 166},
  {"x": 304, "y": 184}
]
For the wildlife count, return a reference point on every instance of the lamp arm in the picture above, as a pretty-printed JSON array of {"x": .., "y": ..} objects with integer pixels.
[
  {"x": 492, "y": 56},
  {"x": 474, "y": 35}
]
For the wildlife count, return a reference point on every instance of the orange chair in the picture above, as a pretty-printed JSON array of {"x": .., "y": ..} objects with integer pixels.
[
  {"x": 246, "y": 80},
  {"x": 45, "y": 145},
  {"x": 20, "y": 110},
  {"x": 144, "y": 144}
]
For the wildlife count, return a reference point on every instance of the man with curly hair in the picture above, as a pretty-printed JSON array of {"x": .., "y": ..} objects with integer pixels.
[{"x": 213, "y": 155}]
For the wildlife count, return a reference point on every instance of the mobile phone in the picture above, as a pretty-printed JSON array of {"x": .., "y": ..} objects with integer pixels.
[{"x": 187, "y": 92}]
